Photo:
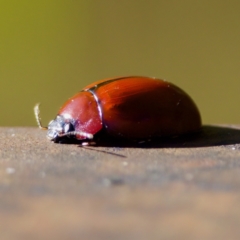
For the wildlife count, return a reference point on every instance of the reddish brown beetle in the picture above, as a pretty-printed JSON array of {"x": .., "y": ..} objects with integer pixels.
[{"x": 136, "y": 108}]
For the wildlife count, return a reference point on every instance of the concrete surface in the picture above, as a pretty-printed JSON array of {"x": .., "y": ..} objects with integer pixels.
[{"x": 185, "y": 189}]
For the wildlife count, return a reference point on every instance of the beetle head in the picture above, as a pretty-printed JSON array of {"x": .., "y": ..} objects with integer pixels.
[{"x": 61, "y": 126}]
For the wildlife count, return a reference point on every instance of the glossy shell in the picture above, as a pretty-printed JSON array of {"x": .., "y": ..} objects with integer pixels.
[{"x": 132, "y": 108}]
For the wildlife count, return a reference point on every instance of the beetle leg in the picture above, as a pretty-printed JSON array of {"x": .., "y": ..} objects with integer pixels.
[
  {"x": 75, "y": 133},
  {"x": 88, "y": 143}
]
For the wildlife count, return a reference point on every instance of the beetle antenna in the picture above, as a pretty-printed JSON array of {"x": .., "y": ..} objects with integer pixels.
[
  {"x": 37, "y": 116},
  {"x": 82, "y": 134}
]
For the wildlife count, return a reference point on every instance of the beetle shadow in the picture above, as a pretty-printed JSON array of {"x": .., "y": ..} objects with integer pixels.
[{"x": 208, "y": 136}]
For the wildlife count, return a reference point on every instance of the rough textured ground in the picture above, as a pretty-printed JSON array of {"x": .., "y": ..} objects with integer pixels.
[{"x": 186, "y": 189}]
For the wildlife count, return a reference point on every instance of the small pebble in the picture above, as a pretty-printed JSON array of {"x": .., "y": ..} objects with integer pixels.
[
  {"x": 106, "y": 182},
  {"x": 114, "y": 182},
  {"x": 10, "y": 170}
]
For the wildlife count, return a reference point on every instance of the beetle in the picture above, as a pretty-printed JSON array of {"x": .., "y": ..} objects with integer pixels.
[{"x": 131, "y": 108}]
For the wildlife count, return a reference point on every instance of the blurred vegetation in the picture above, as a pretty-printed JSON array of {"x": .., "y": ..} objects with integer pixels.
[{"x": 50, "y": 49}]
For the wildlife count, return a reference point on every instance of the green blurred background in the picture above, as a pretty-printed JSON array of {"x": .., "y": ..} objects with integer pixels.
[{"x": 50, "y": 49}]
